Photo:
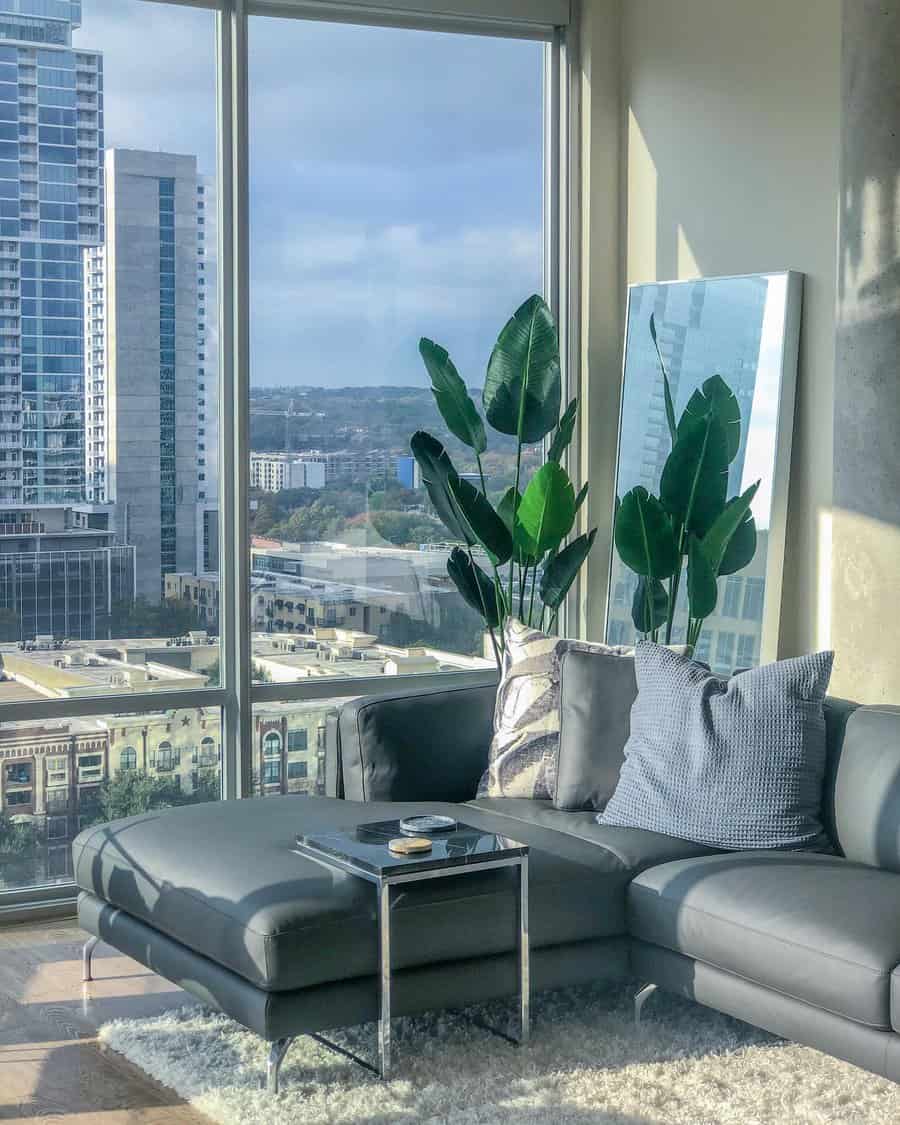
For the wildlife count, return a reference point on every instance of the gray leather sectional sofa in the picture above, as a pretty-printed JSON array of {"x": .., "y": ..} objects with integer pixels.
[{"x": 805, "y": 945}]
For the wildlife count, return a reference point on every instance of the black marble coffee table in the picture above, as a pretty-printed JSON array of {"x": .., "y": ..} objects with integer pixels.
[{"x": 363, "y": 851}]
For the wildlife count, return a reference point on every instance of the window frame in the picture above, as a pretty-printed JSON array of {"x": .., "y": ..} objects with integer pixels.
[{"x": 237, "y": 695}]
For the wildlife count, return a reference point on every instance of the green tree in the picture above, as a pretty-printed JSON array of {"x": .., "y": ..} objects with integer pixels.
[
  {"x": 305, "y": 525},
  {"x": 169, "y": 618},
  {"x": 19, "y": 838},
  {"x": 461, "y": 630},
  {"x": 130, "y": 792},
  {"x": 402, "y": 528}
]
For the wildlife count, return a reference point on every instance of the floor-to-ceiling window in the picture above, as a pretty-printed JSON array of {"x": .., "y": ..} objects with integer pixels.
[
  {"x": 267, "y": 211},
  {"x": 109, "y": 522},
  {"x": 396, "y": 191}
]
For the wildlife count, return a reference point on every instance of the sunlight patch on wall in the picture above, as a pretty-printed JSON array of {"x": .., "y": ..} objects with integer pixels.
[
  {"x": 687, "y": 263},
  {"x": 642, "y": 206},
  {"x": 864, "y": 592}
]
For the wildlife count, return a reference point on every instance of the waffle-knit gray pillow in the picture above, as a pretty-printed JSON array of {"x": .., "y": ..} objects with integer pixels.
[{"x": 732, "y": 763}]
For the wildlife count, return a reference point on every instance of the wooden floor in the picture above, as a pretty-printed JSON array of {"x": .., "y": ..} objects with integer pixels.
[{"x": 51, "y": 1065}]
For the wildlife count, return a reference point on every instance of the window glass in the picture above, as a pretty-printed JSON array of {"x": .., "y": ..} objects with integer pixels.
[
  {"x": 72, "y": 773},
  {"x": 288, "y": 748},
  {"x": 396, "y": 192},
  {"x": 132, "y": 128},
  {"x": 110, "y": 525}
]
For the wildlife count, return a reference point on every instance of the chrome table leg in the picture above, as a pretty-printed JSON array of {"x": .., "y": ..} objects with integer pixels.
[
  {"x": 524, "y": 956},
  {"x": 86, "y": 955},
  {"x": 640, "y": 999},
  {"x": 384, "y": 980},
  {"x": 277, "y": 1051}
]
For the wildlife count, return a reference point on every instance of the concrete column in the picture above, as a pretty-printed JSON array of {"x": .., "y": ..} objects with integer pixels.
[{"x": 865, "y": 617}]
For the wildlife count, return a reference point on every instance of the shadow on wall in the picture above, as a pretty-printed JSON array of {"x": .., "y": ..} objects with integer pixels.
[{"x": 867, "y": 388}]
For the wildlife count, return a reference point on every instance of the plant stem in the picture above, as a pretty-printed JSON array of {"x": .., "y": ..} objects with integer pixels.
[
  {"x": 481, "y": 474},
  {"x": 515, "y": 504},
  {"x": 674, "y": 583},
  {"x": 523, "y": 582},
  {"x": 531, "y": 603},
  {"x": 484, "y": 614},
  {"x": 501, "y": 606}
]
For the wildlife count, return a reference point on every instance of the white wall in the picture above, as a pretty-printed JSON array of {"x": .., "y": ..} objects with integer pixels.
[{"x": 729, "y": 115}]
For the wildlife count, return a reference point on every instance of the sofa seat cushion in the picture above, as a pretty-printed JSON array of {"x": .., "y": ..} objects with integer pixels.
[
  {"x": 224, "y": 880},
  {"x": 813, "y": 927},
  {"x": 614, "y": 855}
]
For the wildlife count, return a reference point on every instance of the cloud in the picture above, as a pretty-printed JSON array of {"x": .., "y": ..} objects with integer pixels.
[
  {"x": 362, "y": 297},
  {"x": 395, "y": 178}
]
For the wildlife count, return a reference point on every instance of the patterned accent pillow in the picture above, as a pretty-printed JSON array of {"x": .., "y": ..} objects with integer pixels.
[
  {"x": 525, "y": 747},
  {"x": 732, "y": 763}
]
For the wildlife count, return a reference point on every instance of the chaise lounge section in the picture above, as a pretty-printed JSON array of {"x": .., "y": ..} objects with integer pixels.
[{"x": 215, "y": 898}]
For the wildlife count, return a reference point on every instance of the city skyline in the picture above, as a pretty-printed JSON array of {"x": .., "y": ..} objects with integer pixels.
[{"x": 431, "y": 205}]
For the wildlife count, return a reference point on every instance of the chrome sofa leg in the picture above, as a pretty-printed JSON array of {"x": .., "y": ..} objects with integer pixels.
[
  {"x": 277, "y": 1051},
  {"x": 641, "y": 997},
  {"x": 86, "y": 955}
]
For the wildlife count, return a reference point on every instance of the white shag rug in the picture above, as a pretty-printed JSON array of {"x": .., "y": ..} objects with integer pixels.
[{"x": 586, "y": 1065}]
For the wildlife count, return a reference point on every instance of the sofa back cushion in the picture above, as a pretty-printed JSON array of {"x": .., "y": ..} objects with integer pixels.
[
  {"x": 837, "y": 712},
  {"x": 867, "y": 788},
  {"x": 596, "y": 692}
]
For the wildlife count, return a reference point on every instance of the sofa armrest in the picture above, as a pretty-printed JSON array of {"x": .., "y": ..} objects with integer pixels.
[{"x": 425, "y": 745}]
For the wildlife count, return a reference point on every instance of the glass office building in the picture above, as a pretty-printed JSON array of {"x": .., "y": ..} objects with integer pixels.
[{"x": 51, "y": 205}]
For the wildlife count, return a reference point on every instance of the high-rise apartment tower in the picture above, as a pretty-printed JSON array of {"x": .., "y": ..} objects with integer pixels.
[{"x": 51, "y": 207}]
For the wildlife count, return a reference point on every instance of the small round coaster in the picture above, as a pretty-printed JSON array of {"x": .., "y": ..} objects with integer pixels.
[{"x": 409, "y": 845}]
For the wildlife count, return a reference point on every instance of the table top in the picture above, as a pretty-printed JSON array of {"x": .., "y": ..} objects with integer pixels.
[{"x": 365, "y": 848}]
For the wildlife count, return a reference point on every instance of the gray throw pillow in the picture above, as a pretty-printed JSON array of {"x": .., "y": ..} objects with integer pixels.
[
  {"x": 525, "y": 747},
  {"x": 596, "y": 692},
  {"x": 732, "y": 763}
]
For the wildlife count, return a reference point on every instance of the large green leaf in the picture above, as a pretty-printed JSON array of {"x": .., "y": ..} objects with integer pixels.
[
  {"x": 547, "y": 510},
  {"x": 506, "y": 510},
  {"x": 702, "y": 590},
  {"x": 644, "y": 537},
  {"x": 581, "y": 497},
  {"x": 477, "y": 515},
  {"x": 454, "y": 403},
  {"x": 716, "y": 540},
  {"x": 437, "y": 469},
  {"x": 650, "y": 605},
  {"x": 667, "y": 390},
  {"x": 695, "y": 476},
  {"x": 523, "y": 386},
  {"x": 564, "y": 431},
  {"x": 741, "y": 547},
  {"x": 474, "y": 585},
  {"x": 560, "y": 572},
  {"x": 716, "y": 396}
]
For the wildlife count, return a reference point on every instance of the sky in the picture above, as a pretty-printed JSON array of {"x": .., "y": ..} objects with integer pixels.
[{"x": 395, "y": 178}]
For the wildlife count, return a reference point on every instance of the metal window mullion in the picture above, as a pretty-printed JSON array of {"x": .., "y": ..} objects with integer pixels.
[
  {"x": 462, "y": 19},
  {"x": 387, "y": 15},
  {"x": 133, "y": 703},
  {"x": 231, "y": 40},
  {"x": 327, "y": 687},
  {"x": 566, "y": 158},
  {"x": 562, "y": 282}
]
